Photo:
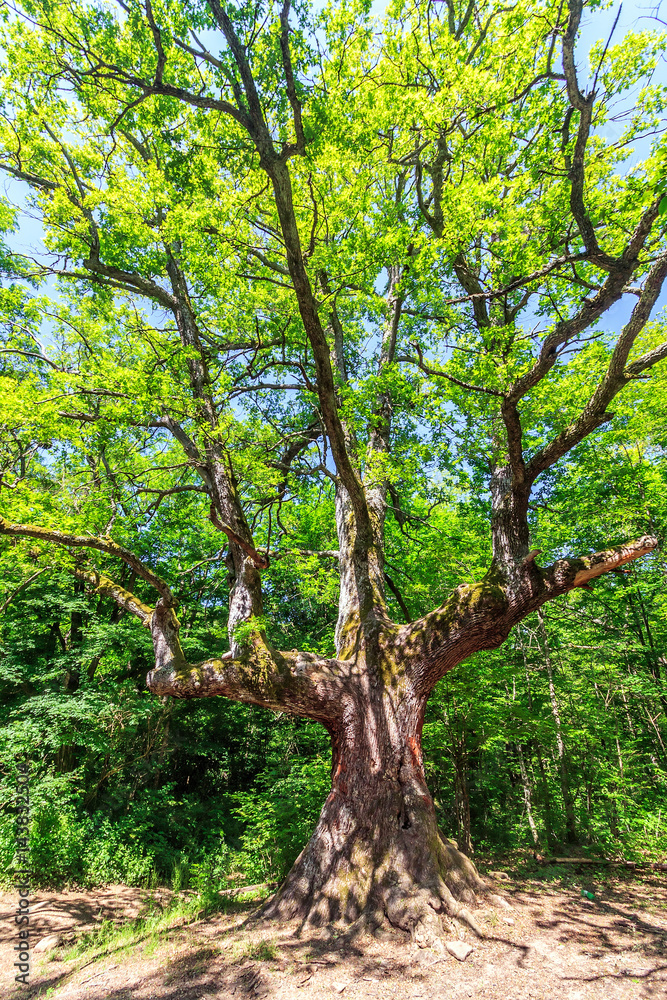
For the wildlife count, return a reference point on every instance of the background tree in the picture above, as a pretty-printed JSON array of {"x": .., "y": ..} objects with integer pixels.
[{"x": 220, "y": 224}]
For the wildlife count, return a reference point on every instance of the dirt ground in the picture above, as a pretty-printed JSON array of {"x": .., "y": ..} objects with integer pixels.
[{"x": 552, "y": 944}]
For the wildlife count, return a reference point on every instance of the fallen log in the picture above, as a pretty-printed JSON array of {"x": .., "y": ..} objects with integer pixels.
[{"x": 655, "y": 865}]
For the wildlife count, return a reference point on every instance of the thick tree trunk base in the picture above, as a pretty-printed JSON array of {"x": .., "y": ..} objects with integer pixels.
[
  {"x": 408, "y": 892},
  {"x": 376, "y": 858}
]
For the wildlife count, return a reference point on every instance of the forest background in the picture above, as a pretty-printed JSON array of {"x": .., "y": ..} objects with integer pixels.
[{"x": 555, "y": 741}]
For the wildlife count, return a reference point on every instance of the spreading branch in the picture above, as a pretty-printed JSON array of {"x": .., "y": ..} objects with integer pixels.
[
  {"x": 21, "y": 587},
  {"x": 301, "y": 683},
  {"x": 104, "y": 585},
  {"x": 566, "y": 574},
  {"x": 481, "y": 616},
  {"x": 616, "y": 377},
  {"x": 106, "y": 545},
  {"x": 439, "y": 373},
  {"x": 260, "y": 561}
]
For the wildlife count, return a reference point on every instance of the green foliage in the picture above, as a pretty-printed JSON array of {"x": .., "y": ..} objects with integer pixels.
[
  {"x": 262, "y": 951},
  {"x": 280, "y": 817},
  {"x": 253, "y": 626},
  {"x": 212, "y": 794}
]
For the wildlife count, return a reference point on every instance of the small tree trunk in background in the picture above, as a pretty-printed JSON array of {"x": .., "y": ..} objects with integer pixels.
[
  {"x": 546, "y": 796},
  {"x": 73, "y": 675},
  {"x": 527, "y": 796},
  {"x": 620, "y": 759},
  {"x": 628, "y": 717},
  {"x": 160, "y": 754},
  {"x": 522, "y": 764},
  {"x": 94, "y": 664},
  {"x": 549, "y": 825},
  {"x": 653, "y": 659},
  {"x": 462, "y": 800},
  {"x": 588, "y": 778},
  {"x": 64, "y": 762},
  {"x": 570, "y": 823}
]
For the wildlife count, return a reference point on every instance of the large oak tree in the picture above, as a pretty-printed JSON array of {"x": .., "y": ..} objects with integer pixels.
[{"x": 291, "y": 248}]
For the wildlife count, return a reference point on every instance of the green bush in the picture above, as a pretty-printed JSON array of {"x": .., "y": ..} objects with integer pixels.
[{"x": 279, "y": 820}]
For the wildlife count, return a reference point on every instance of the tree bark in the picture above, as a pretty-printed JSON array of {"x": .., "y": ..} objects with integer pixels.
[
  {"x": 376, "y": 853},
  {"x": 462, "y": 801}
]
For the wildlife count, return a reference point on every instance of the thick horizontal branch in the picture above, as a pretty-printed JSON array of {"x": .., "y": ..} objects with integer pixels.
[
  {"x": 105, "y": 544},
  {"x": 131, "y": 279},
  {"x": 481, "y": 616},
  {"x": 300, "y": 683},
  {"x": 286, "y": 684}
]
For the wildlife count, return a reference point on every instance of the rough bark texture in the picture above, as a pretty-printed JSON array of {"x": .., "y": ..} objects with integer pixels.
[
  {"x": 566, "y": 791},
  {"x": 376, "y": 853}
]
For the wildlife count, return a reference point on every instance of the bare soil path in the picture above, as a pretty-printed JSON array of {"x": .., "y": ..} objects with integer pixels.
[{"x": 552, "y": 944}]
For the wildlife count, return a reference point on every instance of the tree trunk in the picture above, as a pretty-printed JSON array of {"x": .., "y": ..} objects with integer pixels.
[
  {"x": 527, "y": 798},
  {"x": 462, "y": 799},
  {"x": 548, "y": 812},
  {"x": 376, "y": 852},
  {"x": 568, "y": 803},
  {"x": 549, "y": 824}
]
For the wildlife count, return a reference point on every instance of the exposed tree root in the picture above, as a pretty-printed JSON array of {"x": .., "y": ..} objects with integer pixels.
[{"x": 413, "y": 898}]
